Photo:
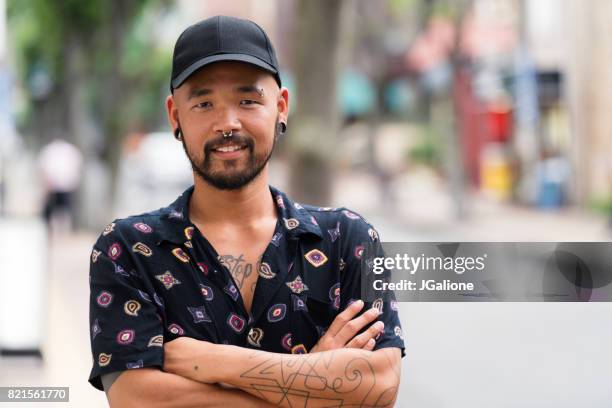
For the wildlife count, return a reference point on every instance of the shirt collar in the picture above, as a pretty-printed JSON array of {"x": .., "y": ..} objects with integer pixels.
[{"x": 295, "y": 220}]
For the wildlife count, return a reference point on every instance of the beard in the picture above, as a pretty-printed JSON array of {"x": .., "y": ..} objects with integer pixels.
[{"x": 231, "y": 177}]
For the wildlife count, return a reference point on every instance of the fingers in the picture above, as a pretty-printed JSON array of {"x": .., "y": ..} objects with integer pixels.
[
  {"x": 343, "y": 318},
  {"x": 369, "y": 345},
  {"x": 366, "y": 340},
  {"x": 354, "y": 326}
]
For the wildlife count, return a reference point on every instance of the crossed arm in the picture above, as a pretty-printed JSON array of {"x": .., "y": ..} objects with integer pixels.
[
  {"x": 340, "y": 371},
  {"x": 343, "y": 377}
]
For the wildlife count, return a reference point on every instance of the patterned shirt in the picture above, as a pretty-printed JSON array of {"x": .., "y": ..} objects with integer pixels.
[{"x": 155, "y": 277}]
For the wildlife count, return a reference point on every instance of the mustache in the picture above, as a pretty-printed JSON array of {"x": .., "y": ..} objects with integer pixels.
[{"x": 236, "y": 138}]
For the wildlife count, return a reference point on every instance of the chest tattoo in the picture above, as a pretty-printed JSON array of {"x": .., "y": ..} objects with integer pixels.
[{"x": 239, "y": 268}]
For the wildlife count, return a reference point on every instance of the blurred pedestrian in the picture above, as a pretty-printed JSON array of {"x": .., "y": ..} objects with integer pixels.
[{"x": 60, "y": 164}]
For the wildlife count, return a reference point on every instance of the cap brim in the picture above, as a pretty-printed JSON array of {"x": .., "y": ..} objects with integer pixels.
[{"x": 187, "y": 72}]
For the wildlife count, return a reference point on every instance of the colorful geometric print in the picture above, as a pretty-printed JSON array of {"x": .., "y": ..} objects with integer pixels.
[
  {"x": 236, "y": 322},
  {"x": 279, "y": 202},
  {"x": 114, "y": 251},
  {"x": 104, "y": 359},
  {"x": 131, "y": 316},
  {"x": 94, "y": 255},
  {"x": 299, "y": 349},
  {"x": 181, "y": 255},
  {"x": 189, "y": 232},
  {"x": 203, "y": 268},
  {"x": 286, "y": 341},
  {"x": 119, "y": 269},
  {"x": 378, "y": 304},
  {"x": 125, "y": 337},
  {"x": 315, "y": 257},
  {"x": 334, "y": 233},
  {"x": 350, "y": 215},
  {"x": 397, "y": 330},
  {"x": 265, "y": 271},
  {"x": 142, "y": 227},
  {"x": 255, "y": 336},
  {"x": 142, "y": 249},
  {"x": 199, "y": 314},
  {"x": 207, "y": 292},
  {"x": 297, "y": 286},
  {"x": 167, "y": 279},
  {"x": 176, "y": 329},
  {"x": 298, "y": 303},
  {"x": 134, "y": 364},
  {"x": 144, "y": 295},
  {"x": 108, "y": 229},
  {"x": 95, "y": 329},
  {"x": 276, "y": 313},
  {"x": 177, "y": 215},
  {"x": 231, "y": 290},
  {"x": 358, "y": 252},
  {"x": 157, "y": 300},
  {"x": 156, "y": 341},
  {"x": 291, "y": 223},
  {"x": 104, "y": 298},
  {"x": 334, "y": 295},
  {"x": 131, "y": 307},
  {"x": 276, "y": 239},
  {"x": 373, "y": 234}
]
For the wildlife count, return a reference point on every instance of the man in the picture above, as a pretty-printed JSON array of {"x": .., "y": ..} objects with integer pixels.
[
  {"x": 234, "y": 295},
  {"x": 60, "y": 163}
]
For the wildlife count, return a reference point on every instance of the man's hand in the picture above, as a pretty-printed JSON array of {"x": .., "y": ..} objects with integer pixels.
[{"x": 343, "y": 330}]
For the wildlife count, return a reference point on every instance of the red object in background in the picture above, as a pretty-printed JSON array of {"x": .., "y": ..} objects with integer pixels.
[
  {"x": 469, "y": 113},
  {"x": 499, "y": 121},
  {"x": 479, "y": 123}
]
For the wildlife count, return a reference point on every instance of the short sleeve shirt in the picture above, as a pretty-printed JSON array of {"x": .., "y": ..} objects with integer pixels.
[{"x": 154, "y": 277}]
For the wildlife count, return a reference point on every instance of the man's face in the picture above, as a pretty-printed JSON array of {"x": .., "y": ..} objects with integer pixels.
[{"x": 224, "y": 97}]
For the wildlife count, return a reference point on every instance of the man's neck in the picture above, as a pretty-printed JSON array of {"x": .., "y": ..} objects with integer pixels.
[{"x": 247, "y": 206}]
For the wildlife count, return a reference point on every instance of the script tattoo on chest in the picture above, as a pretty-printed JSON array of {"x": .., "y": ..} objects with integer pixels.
[{"x": 239, "y": 268}]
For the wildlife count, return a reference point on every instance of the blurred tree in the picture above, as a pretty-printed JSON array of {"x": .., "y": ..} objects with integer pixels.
[
  {"x": 81, "y": 61},
  {"x": 314, "y": 123}
]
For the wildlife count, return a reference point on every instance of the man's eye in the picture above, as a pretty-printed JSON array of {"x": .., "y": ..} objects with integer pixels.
[
  {"x": 247, "y": 102},
  {"x": 203, "y": 105}
]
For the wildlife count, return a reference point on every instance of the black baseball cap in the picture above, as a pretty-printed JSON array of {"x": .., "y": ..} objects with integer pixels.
[{"x": 221, "y": 38}]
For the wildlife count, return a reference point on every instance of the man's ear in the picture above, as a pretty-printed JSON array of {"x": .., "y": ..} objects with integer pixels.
[
  {"x": 283, "y": 104},
  {"x": 172, "y": 113}
]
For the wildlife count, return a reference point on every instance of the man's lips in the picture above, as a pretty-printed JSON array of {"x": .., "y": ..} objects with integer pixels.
[{"x": 228, "y": 148}]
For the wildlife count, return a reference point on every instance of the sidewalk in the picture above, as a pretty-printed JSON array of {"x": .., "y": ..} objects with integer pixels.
[
  {"x": 66, "y": 355},
  {"x": 423, "y": 211}
]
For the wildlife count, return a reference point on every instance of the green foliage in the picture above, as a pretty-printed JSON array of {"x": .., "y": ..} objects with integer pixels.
[
  {"x": 41, "y": 30},
  {"x": 601, "y": 204},
  {"x": 427, "y": 150}
]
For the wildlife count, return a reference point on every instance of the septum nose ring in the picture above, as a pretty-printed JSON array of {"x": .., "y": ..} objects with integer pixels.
[{"x": 227, "y": 134}]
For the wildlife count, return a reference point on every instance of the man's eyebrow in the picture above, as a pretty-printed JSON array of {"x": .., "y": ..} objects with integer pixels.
[
  {"x": 250, "y": 89},
  {"x": 196, "y": 92}
]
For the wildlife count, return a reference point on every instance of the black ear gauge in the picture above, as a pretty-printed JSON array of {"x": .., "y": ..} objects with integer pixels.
[
  {"x": 177, "y": 134},
  {"x": 283, "y": 127}
]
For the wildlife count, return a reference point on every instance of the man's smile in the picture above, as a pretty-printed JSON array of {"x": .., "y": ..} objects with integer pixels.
[{"x": 229, "y": 151}]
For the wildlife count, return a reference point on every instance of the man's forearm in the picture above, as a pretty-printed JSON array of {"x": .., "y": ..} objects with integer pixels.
[
  {"x": 150, "y": 387},
  {"x": 343, "y": 377}
]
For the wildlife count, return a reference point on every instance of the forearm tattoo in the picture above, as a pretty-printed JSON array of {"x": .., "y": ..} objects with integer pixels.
[
  {"x": 310, "y": 381},
  {"x": 239, "y": 268}
]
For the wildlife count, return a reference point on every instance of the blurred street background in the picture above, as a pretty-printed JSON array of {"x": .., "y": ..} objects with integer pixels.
[{"x": 437, "y": 120}]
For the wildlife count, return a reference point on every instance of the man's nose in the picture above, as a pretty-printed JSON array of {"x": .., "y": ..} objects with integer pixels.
[{"x": 227, "y": 120}]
